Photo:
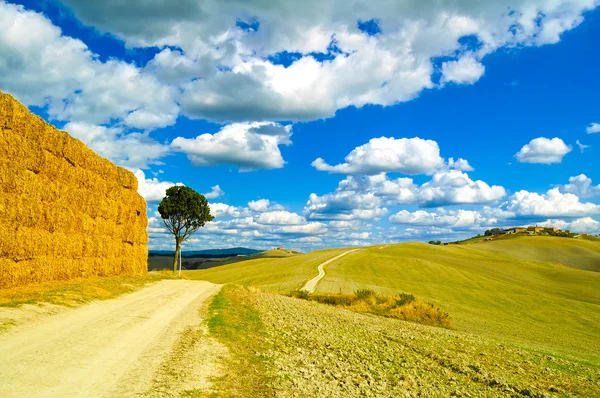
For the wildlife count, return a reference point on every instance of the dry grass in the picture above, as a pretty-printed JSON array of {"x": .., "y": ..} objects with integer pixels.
[
  {"x": 286, "y": 347},
  {"x": 403, "y": 306},
  {"x": 65, "y": 212},
  {"x": 77, "y": 291},
  {"x": 321, "y": 351}
]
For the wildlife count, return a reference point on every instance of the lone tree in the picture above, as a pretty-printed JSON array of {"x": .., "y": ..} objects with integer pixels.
[{"x": 184, "y": 211}]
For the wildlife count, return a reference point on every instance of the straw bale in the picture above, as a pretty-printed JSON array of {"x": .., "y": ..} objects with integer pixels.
[{"x": 65, "y": 212}]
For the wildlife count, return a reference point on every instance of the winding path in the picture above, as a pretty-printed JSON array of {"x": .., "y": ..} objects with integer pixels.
[{"x": 311, "y": 285}]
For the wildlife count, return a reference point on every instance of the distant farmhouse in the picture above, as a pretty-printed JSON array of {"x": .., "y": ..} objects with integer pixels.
[{"x": 531, "y": 230}]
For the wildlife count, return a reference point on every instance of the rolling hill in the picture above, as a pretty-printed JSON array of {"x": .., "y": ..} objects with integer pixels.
[
  {"x": 577, "y": 253},
  {"x": 514, "y": 290}
]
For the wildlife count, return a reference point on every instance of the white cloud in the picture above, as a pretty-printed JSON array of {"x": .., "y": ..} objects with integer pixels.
[
  {"x": 215, "y": 192},
  {"x": 381, "y": 155},
  {"x": 263, "y": 205},
  {"x": 309, "y": 229},
  {"x": 553, "y": 204},
  {"x": 456, "y": 187},
  {"x": 456, "y": 220},
  {"x": 460, "y": 164},
  {"x": 593, "y": 128},
  {"x": 280, "y": 217},
  {"x": 580, "y": 225},
  {"x": 581, "y": 186},
  {"x": 132, "y": 150},
  {"x": 581, "y": 146},
  {"x": 41, "y": 67},
  {"x": 467, "y": 70},
  {"x": 235, "y": 79},
  {"x": 344, "y": 204},
  {"x": 365, "y": 197},
  {"x": 152, "y": 189},
  {"x": 223, "y": 209},
  {"x": 249, "y": 146},
  {"x": 543, "y": 150}
]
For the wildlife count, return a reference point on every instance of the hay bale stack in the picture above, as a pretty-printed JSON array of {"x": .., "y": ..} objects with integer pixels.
[{"x": 65, "y": 212}]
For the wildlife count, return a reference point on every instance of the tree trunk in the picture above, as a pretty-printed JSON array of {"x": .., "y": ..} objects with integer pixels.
[{"x": 177, "y": 248}]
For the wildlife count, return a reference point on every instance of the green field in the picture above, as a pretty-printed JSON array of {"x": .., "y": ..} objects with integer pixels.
[
  {"x": 577, "y": 253},
  {"x": 505, "y": 289},
  {"x": 272, "y": 271}
]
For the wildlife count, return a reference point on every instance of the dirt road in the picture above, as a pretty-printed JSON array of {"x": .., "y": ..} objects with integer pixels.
[
  {"x": 311, "y": 285},
  {"x": 104, "y": 349}
]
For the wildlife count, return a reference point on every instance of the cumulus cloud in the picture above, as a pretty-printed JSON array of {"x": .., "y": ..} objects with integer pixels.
[
  {"x": 581, "y": 186},
  {"x": 215, "y": 192},
  {"x": 553, "y": 204},
  {"x": 223, "y": 209},
  {"x": 152, "y": 189},
  {"x": 263, "y": 205},
  {"x": 232, "y": 74},
  {"x": 344, "y": 204},
  {"x": 366, "y": 197},
  {"x": 466, "y": 70},
  {"x": 457, "y": 220},
  {"x": 249, "y": 146},
  {"x": 456, "y": 187},
  {"x": 42, "y": 67},
  {"x": 543, "y": 150},
  {"x": 580, "y": 225},
  {"x": 593, "y": 128},
  {"x": 460, "y": 164},
  {"x": 381, "y": 155},
  {"x": 132, "y": 150},
  {"x": 446, "y": 187},
  {"x": 280, "y": 217}
]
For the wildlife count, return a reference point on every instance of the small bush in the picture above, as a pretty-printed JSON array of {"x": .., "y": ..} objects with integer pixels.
[
  {"x": 337, "y": 299},
  {"x": 364, "y": 294},
  {"x": 404, "y": 298},
  {"x": 403, "y": 306},
  {"x": 301, "y": 294}
]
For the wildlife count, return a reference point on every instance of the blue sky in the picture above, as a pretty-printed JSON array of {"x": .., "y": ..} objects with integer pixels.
[{"x": 373, "y": 123}]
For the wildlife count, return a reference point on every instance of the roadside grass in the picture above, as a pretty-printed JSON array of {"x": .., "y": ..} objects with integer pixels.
[
  {"x": 78, "y": 291},
  {"x": 284, "y": 347},
  {"x": 274, "y": 274},
  {"x": 235, "y": 322},
  {"x": 402, "y": 306},
  {"x": 540, "y": 305}
]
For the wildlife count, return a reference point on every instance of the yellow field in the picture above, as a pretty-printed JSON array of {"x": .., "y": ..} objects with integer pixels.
[{"x": 491, "y": 289}]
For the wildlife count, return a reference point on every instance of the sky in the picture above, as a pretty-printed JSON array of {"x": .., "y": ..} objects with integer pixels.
[{"x": 327, "y": 123}]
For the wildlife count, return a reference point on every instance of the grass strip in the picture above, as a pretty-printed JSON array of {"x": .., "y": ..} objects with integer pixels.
[
  {"x": 235, "y": 322},
  {"x": 77, "y": 291}
]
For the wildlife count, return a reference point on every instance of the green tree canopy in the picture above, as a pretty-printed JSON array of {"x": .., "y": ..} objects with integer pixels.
[{"x": 183, "y": 211}]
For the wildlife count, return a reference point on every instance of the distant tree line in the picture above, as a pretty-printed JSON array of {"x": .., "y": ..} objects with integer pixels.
[{"x": 494, "y": 232}]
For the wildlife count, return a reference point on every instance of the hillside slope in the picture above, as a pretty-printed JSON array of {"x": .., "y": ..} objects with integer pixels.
[
  {"x": 541, "y": 305},
  {"x": 286, "y": 347},
  {"x": 577, "y": 253}
]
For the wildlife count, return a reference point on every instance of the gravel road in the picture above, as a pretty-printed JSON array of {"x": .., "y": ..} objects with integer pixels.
[
  {"x": 311, "y": 285},
  {"x": 111, "y": 348}
]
